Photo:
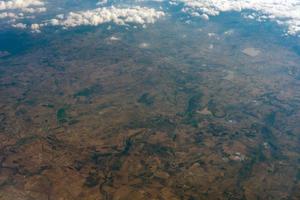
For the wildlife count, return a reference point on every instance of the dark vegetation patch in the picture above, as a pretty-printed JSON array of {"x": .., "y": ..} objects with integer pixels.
[
  {"x": 26, "y": 140},
  {"x": 103, "y": 106},
  {"x": 198, "y": 137},
  {"x": 6, "y": 85},
  {"x": 48, "y": 105},
  {"x": 61, "y": 116},
  {"x": 146, "y": 177},
  {"x": 269, "y": 137},
  {"x": 90, "y": 91},
  {"x": 51, "y": 63},
  {"x": 117, "y": 164},
  {"x": 217, "y": 130},
  {"x": 114, "y": 158},
  {"x": 255, "y": 156},
  {"x": 24, "y": 115},
  {"x": 250, "y": 133},
  {"x": 236, "y": 194},
  {"x": 127, "y": 146},
  {"x": 22, "y": 171},
  {"x": 78, "y": 165},
  {"x": 287, "y": 108},
  {"x": 3, "y": 123},
  {"x": 92, "y": 179},
  {"x": 73, "y": 121},
  {"x": 158, "y": 149},
  {"x": 97, "y": 158},
  {"x": 193, "y": 105},
  {"x": 192, "y": 121},
  {"x": 146, "y": 99},
  {"x": 54, "y": 142},
  {"x": 270, "y": 118},
  {"x": 159, "y": 122},
  {"x": 298, "y": 175},
  {"x": 216, "y": 110},
  {"x": 31, "y": 102},
  {"x": 6, "y": 182}
]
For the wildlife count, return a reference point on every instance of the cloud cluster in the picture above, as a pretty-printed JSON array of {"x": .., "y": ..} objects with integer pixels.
[
  {"x": 120, "y": 16},
  {"x": 19, "y": 9},
  {"x": 284, "y": 12},
  {"x": 24, "y": 5},
  {"x": 4, "y": 15}
]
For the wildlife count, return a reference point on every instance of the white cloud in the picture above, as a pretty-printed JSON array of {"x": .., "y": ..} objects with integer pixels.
[
  {"x": 8, "y": 15},
  {"x": 284, "y": 12},
  {"x": 102, "y": 2},
  {"x": 20, "y": 26},
  {"x": 120, "y": 16},
  {"x": 35, "y": 28},
  {"x": 21, "y": 4},
  {"x": 113, "y": 38},
  {"x": 34, "y": 10},
  {"x": 144, "y": 45}
]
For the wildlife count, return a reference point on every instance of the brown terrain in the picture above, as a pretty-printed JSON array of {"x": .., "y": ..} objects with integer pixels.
[{"x": 150, "y": 116}]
